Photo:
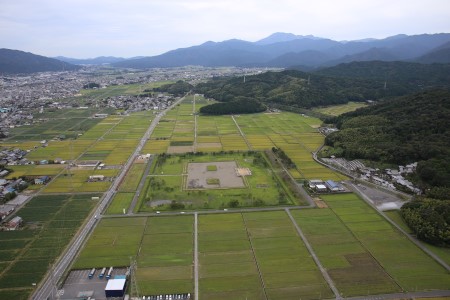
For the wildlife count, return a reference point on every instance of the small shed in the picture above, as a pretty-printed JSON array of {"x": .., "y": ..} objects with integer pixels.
[
  {"x": 115, "y": 288},
  {"x": 97, "y": 177}
]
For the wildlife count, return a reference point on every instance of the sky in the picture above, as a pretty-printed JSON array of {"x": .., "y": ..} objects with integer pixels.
[{"x": 128, "y": 28}]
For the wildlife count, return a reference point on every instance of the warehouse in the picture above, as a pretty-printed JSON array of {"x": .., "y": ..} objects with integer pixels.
[
  {"x": 115, "y": 288},
  {"x": 332, "y": 186}
]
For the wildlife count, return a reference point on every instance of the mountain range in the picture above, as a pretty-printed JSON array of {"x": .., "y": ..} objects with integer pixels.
[{"x": 284, "y": 50}]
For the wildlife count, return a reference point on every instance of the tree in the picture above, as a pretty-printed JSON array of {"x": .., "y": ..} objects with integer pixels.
[{"x": 233, "y": 203}]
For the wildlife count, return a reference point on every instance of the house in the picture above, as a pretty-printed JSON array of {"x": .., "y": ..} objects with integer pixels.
[
  {"x": 41, "y": 180},
  {"x": 43, "y": 162},
  {"x": 14, "y": 223},
  {"x": 96, "y": 177},
  {"x": 100, "y": 116},
  {"x": 8, "y": 190},
  {"x": 4, "y": 173},
  {"x": 6, "y": 210}
]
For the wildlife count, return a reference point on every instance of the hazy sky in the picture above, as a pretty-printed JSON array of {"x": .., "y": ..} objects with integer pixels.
[{"x": 90, "y": 28}]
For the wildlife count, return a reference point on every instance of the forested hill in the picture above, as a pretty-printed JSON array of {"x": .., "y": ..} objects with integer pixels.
[
  {"x": 392, "y": 72},
  {"x": 15, "y": 61},
  {"x": 404, "y": 130},
  {"x": 306, "y": 90}
]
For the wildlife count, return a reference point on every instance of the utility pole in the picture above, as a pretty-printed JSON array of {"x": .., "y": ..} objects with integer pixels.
[{"x": 134, "y": 291}]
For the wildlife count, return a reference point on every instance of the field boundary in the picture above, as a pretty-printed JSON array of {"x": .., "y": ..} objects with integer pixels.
[{"x": 324, "y": 272}]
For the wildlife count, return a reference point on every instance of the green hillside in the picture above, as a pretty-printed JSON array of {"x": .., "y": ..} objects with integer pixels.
[
  {"x": 347, "y": 82},
  {"x": 403, "y": 130}
]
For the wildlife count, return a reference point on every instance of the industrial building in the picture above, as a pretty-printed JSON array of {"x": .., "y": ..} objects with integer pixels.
[{"x": 115, "y": 288}]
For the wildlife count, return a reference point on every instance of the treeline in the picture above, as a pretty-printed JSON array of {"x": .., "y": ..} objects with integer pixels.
[
  {"x": 91, "y": 85},
  {"x": 285, "y": 159},
  {"x": 240, "y": 105},
  {"x": 429, "y": 219},
  {"x": 178, "y": 88},
  {"x": 411, "y": 75},
  {"x": 400, "y": 131}
]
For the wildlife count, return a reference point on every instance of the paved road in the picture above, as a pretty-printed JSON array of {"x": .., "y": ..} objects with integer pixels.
[
  {"x": 412, "y": 295},
  {"x": 47, "y": 288}
]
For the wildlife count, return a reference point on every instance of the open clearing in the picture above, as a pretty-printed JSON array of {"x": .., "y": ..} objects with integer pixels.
[
  {"x": 224, "y": 172},
  {"x": 336, "y": 110}
]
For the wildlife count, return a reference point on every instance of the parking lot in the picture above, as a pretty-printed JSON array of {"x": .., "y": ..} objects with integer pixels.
[{"x": 79, "y": 286}]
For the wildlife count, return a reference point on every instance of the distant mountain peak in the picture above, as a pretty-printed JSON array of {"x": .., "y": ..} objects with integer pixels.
[{"x": 279, "y": 37}]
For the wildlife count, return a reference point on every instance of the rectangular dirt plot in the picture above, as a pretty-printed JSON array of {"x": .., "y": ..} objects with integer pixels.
[{"x": 200, "y": 175}]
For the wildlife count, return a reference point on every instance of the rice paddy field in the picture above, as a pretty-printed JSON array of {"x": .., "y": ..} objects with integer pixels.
[
  {"x": 120, "y": 202},
  {"x": 242, "y": 255},
  {"x": 350, "y": 238},
  {"x": 162, "y": 247},
  {"x": 69, "y": 122},
  {"x": 255, "y": 256},
  {"x": 111, "y": 140},
  {"x": 50, "y": 222},
  {"x": 259, "y": 255},
  {"x": 182, "y": 130}
]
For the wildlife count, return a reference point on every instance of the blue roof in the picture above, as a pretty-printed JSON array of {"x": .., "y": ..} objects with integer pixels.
[{"x": 332, "y": 184}]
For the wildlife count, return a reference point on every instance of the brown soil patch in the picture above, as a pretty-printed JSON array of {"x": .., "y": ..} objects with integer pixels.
[
  {"x": 180, "y": 149},
  {"x": 320, "y": 203},
  {"x": 198, "y": 175}
]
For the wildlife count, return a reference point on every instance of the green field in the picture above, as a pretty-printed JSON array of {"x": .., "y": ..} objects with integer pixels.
[
  {"x": 120, "y": 202},
  {"x": 68, "y": 122},
  {"x": 49, "y": 224},
  {"x": 133, "y": 177},
  {"x": 227, "y": 264},
  {"x": 286, "y": 267},
  {"x": 350, "y": 238},
  {"x": 162, "y": 247},
  {"x": 250, "y": 255},
  {"x": 113, "y": 242},
  {"x": 165, "y": 258},
  {"x": 259, "y": 255}
]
